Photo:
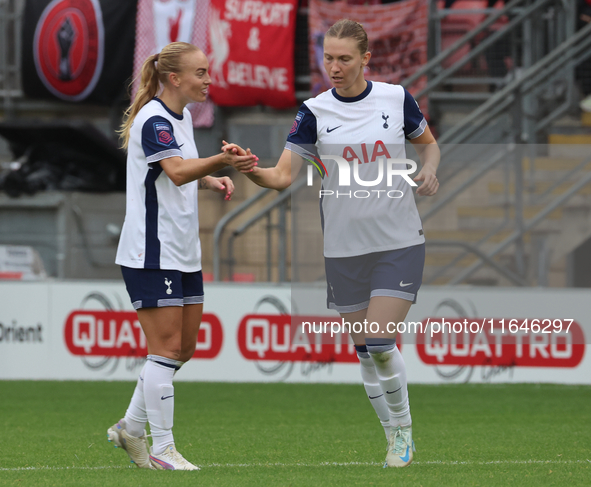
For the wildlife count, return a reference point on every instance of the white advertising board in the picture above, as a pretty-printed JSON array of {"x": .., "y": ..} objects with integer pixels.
[{"x": 83, "y": 330}]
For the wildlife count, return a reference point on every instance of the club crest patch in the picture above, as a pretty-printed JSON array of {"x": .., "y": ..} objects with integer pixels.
[
  {"x": 296, "y": 123},
  {"x": 163, "y": 133}
]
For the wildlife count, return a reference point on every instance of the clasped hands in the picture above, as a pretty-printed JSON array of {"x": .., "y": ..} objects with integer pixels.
[{"x": 242, "y": 160}]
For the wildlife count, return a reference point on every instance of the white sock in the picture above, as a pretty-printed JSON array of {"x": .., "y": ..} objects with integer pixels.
[
  {"x": 391, "y": 373},
  {"x": 374, "y": 390},
  {"x": 159, "y": 394},
  {"x": 136, "y": 416}
]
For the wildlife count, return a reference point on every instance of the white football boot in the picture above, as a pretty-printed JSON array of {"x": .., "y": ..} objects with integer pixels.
[
  {"x": 400, "y": 447},
  {"x": 136, "y": 448},
  {"x": 171, "y": 459}
]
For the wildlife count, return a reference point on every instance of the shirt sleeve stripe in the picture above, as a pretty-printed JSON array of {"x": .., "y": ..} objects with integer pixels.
[
  {"x": 164, "y": 155},
  {"x": 419, "y": 130},
  {"x": 306, "y": 154}
]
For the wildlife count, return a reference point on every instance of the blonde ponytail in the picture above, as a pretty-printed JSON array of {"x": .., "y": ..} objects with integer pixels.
[
  {"x": 148, "y": 89},
  {"x": 155, "y": 70}
]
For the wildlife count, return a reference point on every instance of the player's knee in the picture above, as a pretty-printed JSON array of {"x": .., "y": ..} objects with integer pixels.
[
  {"x": 173, "y": 352},
  {"x": 172, "y": 345},
  {"x": 187, "y": 353},
  {"x": 380, "y": 357},
  {"x": 381, "y": 352}
]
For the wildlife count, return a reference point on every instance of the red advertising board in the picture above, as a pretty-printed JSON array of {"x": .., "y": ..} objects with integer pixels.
[
  {"x": 294, "y": 339},
  {"x": 501, "y": 342},
  {"x": 119, "y": 334}
]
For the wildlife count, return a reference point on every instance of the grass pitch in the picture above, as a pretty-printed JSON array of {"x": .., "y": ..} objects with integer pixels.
[{"x": 54, "y": 433}]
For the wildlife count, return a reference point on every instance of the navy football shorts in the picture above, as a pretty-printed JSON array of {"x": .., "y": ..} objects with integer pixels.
[
  {"x": 156, "y": 288},
  {"x": 352, "y": 281}
]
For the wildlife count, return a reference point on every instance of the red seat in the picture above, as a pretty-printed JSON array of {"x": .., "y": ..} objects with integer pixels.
[
  {"x": 455, "y": 26},
  {"x": 243, "y": 277},
  {"x": 207, "y": 276},
  {"x": 236, "y": 277}
]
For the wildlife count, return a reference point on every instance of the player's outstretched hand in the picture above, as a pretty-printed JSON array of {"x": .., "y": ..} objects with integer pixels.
[
  {"x": 240, "y": 159},
  {"x": 430, "y": 183},
  {"x": 222, "y": 185}
]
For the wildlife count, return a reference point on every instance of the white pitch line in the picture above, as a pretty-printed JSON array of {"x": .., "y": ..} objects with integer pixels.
[
  {"x": 323, "y": 464},
  {"x": 373, "y": 464},
  {"x": 47, "y": 467}
]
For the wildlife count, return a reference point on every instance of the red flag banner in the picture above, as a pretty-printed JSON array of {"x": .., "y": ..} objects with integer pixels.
[
  {"x": 160, "y": 22},
  {"x": 252, "y": 52},
  {"x": 397, "y": 39}
]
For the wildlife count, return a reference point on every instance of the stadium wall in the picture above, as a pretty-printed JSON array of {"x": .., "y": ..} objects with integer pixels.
[{"x": 87, "y": 330}]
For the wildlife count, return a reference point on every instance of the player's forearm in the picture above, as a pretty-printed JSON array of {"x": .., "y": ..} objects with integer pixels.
[
  {"x": 191, "y": 169},
  {"x": 204, "y": 182},
  {"x": 430, "y": 156},
  {"x": 270, "y": 178}
]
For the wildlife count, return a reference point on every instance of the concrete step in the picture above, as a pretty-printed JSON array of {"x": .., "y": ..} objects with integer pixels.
[
  {"x": 434, "y": 260},
  {"x": 469, "y": 235},
  {"x": 569, "y": 139},
  {"x": 541, "y": 187},
  {"x": 479, "y": 279},
  {"x": 440, "y": 281},
  {"x": 554, "y": 163},
  {"x": 569, "y": 125},
  {"x": 440, "y": 259},
  {"x": 499, "y": 212}
]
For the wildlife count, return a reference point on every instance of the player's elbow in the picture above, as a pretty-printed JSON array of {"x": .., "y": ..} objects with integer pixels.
[
  {"x": 177, "y": 178},
  {"x": 283, "y": 184},
  {"x": 178, "y": 181},
  {"x": 175, "y": 170},
  {"x": 283, "y": 181}
]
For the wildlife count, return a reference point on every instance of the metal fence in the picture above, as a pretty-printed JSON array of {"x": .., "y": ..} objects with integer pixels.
[{"x": 10, "y": 52}]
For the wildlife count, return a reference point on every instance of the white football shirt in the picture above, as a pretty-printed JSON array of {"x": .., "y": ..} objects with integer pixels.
[
  {"x": 378, "y": 213},
  {"x": 161, "y": 228}
]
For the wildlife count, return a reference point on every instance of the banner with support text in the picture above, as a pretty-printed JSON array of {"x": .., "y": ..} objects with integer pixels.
[
  {"x": 397, "y": 35},
  {"x": 252, "y": 52}
]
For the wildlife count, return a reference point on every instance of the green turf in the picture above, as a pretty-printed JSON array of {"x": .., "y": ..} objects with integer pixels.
[{"x": 309, "y": 435}]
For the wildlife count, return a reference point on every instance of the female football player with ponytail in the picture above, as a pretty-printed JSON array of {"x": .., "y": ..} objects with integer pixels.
[{"x": 159, "y": 250}]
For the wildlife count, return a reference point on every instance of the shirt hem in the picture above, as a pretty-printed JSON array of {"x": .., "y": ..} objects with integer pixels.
[
  {"x": 136, "y": 265},
  {"x": 355, "y": 253}
]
